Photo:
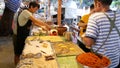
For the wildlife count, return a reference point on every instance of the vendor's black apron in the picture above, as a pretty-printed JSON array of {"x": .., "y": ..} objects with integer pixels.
[{"x": 22, "y": 33}]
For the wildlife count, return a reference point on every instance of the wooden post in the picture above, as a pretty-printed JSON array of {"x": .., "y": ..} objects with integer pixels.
[
  {"x": 59, "y": 12},
  {"x": 49, "y": 8}
]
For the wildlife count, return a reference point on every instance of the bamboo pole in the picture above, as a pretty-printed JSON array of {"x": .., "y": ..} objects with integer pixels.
[
  {"x": 59, "y": 12},
  {"x": 49, "y": 8}
]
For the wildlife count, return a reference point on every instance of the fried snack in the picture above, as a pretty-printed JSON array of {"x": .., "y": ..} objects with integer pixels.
[
  {"x": 88, "y": 59},
  {"x": 92, "y": 60},
  {"x": 105, "y": 61}
]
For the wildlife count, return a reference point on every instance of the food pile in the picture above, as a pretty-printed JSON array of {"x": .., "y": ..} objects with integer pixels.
[
  {"x": 91, "y": 60},
  {"x": 66, "y": 48}
]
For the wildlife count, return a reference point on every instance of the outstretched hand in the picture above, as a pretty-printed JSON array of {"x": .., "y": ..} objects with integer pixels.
[{"x": 45, "y": 28}]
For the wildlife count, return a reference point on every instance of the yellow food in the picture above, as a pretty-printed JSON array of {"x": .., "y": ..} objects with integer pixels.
[
  {"x": 64, "y": 46},
  {"x": 45, "y": 45},
  {"x": 72, "y": 49}
]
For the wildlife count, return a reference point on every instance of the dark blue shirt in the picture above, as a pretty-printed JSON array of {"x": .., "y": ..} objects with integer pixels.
[{"x": 13, "y": 4}]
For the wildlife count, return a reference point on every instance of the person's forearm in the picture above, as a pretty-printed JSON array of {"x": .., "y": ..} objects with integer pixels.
[
  {"x": 88, "y": 41},
  {"x": 39, "y": 22},
  {"x": 82, "y": 24}
]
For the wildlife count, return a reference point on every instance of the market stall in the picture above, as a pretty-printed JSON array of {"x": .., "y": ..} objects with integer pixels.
[{"x": 43, "y": 49}]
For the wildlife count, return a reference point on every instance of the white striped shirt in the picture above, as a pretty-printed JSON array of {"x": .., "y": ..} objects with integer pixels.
[{"x": 98, "y": 29}]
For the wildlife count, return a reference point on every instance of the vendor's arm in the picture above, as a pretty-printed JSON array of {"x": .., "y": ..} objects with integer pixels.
[
  {"x": 82, "y": 24},
  {"x": 26, "y": 15},
  {"x": 39, "y": 22}
]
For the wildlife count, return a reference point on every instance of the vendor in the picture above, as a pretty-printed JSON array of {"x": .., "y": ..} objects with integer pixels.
[
  {"x": 25, "y": 20},
  {"x": 82, "y": 25},
  {"x": 84, "y": 20}
]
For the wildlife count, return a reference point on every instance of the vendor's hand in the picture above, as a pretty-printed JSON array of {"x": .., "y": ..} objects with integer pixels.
[
  {"x": 49, "y": 28},
  {"x": 44, "y": 28},
  {"x": 83, "y": 35},
  {"x": 88, "y": 47},
  {"x": 82, "y": 38}
]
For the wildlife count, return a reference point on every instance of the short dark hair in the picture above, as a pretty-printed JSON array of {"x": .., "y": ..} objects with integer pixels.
[
  {"x": 105, "y": 2},
  {"x": 92, "y": 6},
  {"x": 34, "y": 4}
]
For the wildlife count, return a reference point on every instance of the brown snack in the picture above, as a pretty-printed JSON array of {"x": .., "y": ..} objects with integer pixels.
[{"x": 49, "y": 58}]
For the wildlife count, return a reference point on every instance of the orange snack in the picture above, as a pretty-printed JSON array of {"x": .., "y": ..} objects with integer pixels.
[
  {"x": 105, "y": 61},
  {"x": 92, "y": 60}
]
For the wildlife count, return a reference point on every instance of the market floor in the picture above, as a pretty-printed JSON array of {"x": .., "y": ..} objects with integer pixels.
[{"x": 6, "y": 53}]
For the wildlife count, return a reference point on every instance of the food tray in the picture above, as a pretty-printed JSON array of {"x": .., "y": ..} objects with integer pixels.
[
  {"x": 46, "y": 38},
  {"x": 38, "y": 54},
  {"x": 52, "y": 38},
  {"x": 66, "y": 49}
]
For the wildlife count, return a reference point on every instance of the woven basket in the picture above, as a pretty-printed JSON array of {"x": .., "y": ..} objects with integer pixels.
[{"x": 61, "y": 30}]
